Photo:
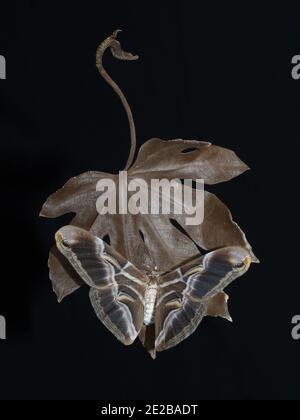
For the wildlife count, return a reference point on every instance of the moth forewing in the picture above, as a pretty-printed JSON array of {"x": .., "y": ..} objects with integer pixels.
[
  {"x": 220, "y": 268},
  {"x": 117, "y": 287},
  {"x": 118, "y": 318}
]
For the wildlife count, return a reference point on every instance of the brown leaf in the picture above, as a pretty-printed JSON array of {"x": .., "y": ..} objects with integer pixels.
[
  {"x": 79, "y": 196},
  {"x": 187, "y": 159},
  {"x": 65, "y": 279},
  {"x": 218, "y": 306},
  {"x": 218, "y": 229},
  {"x": 148, "y": 241}
]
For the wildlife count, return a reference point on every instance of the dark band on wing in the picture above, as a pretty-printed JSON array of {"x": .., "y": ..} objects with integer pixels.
[
  {"x": 219, "y": 269},
  {"x": 178, "y": 324},
  {"x": 202, "y": 280},
  {"x": 117, "y": 287},
  {"x": 115, "y": 315}
]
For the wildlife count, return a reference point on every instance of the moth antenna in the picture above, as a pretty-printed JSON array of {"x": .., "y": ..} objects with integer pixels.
[{"x": 117, "y": 51}]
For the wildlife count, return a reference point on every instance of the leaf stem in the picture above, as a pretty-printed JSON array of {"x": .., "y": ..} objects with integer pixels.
[{"x": 116, "y": 50}]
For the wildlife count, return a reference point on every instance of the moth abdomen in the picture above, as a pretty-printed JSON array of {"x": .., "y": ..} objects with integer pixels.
[{"x": 150, "y": 300}]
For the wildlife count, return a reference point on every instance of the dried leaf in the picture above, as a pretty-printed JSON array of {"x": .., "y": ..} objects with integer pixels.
[
  {"x": 218, "y": 306},
  {"x": 65, "y": 279},
  {"x": 152, "y": 240},
  {"x": 187, "y": 159}
]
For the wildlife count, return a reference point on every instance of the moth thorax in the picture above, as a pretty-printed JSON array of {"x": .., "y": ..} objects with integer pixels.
[{"x": 150, "y": 299}]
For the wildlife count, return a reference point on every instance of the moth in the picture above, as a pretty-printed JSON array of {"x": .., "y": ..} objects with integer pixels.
[{"x": 161, "y": 308}]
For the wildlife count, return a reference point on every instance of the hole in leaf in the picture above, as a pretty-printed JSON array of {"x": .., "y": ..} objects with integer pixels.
[
  {"x": 106, "y": 239},
  {"x": 184, "y": 232},
  {"x": 189, "y": 150},
  {"x": 142, "y": 235}
]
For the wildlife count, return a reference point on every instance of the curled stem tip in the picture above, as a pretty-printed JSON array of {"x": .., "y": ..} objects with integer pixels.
[{"x": 117, "y": 51}]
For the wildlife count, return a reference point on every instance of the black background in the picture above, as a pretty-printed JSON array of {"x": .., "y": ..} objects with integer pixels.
[{"x": 206, "y": 71}]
